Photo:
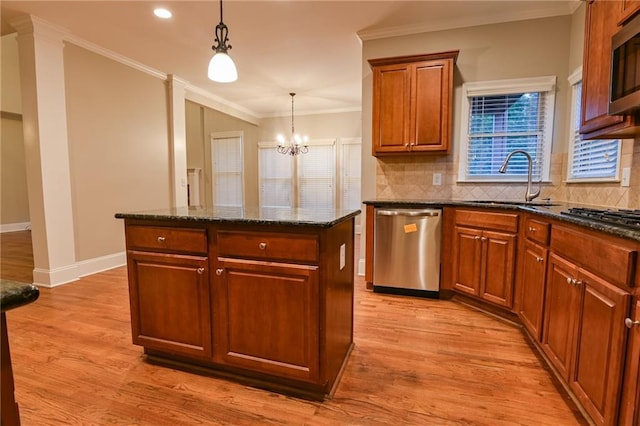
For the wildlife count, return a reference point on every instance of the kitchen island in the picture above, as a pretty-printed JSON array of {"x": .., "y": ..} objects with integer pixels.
[{"x": 260, "y": 295}]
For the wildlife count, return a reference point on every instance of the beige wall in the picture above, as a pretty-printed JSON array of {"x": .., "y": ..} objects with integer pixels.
[
  {"x": 14, "y": 203},
  {"x": 316, "y": 126},
  {"x": 117, "y": 121},
  {"x": 201, "y": 122}
]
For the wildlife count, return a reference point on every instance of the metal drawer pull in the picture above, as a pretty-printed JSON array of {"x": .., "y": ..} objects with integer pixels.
[
  {"x": 573, "y": 281},
  {"x": 532, "y": 229},
  {"x": 483, "y": 238},
  {"x": 161, "y": 239},
  {"x": 539, "y": 259},
  {"x": 219, "y": 271},
  {"x": 262, "y": 246},
  {"x": 631, "y": 323},
  {"x": 200, "y": 271},
  {"x": 476, "y": 237}
]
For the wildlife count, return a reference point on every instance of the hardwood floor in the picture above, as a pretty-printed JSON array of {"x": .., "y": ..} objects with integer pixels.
[
  {"x": 16, "y": 256},
  {"x": 415, "y": 362}
]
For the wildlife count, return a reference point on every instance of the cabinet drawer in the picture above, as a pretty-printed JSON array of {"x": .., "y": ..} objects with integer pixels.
[
  {"x": 487, "y": 220},
  {"x": 265, "y": 245},
  {"x": 537, "y": 231},
  {"x": 160, "y": 238},
  {"x": 598, "y": 255}
]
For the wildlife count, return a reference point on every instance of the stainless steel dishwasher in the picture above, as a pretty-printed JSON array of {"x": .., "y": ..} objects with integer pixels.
[{"x": 406, "y": 252}]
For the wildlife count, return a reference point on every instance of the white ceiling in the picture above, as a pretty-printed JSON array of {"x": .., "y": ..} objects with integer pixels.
[{"x": 312, "y": 48}]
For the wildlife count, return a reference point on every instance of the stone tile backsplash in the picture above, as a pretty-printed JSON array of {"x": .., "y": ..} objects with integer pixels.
[{"x": 412, "y": 178}]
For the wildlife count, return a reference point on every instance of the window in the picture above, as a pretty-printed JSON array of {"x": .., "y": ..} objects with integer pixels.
[
  {"x": 589, "y": 160},
  {"x": 501, "y": 116},
  {"x": 317, "y": 179},
  {"x": 226, "y": 169}
]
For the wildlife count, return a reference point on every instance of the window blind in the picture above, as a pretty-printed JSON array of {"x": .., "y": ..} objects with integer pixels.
[
  {"x": 591, "y": 159},
  {"x": 499, "y": 124},
  {"x": 316, "y": 177},
  {"x": 276, "y": 178},
  {"x": 226, "y": 156}
]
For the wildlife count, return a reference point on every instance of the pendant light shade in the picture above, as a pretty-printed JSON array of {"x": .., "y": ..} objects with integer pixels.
[{"x": 221, "y": 67}]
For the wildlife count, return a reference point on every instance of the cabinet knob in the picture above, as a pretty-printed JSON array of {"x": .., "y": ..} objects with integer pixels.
[
  {"x": 574, "y": 282},
  {"x": 262, "y": 246},
  {"x": 483, "y": 239},
  {"x": 532, "y": 229},
  {"x": 200, "y": 271},
  {"x": 219, "y": 271},
  {"x": 631, "y": 323},
  {"x": 539, "y": 259},
  {"x": 477, "y": 237},
  {"x": 161, "y": 239}
]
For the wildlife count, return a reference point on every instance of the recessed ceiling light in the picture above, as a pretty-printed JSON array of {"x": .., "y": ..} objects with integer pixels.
[{"x": 162, "y": 13}]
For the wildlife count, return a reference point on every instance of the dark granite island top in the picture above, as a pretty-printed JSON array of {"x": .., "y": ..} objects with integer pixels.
[
  {"x": 323, "y": 218},
  {"x": 261, "y": 295}
]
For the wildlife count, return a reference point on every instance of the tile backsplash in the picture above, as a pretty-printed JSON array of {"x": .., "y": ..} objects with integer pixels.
[{"x": 412, "y": 178}]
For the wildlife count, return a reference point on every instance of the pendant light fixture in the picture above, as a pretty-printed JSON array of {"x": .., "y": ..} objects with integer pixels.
[
  {"x": 297, "y": 144},
  {"x": 221, "y": 67}
]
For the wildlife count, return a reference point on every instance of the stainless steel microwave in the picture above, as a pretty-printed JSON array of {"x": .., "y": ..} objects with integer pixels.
[{"x": 624, "y": 94}]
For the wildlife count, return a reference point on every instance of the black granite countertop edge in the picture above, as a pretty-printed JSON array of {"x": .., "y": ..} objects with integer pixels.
[
  {"x": 295, "y": 222},
  {"x": 553, "y": 211},
  {"x": 14, "y": 294}
]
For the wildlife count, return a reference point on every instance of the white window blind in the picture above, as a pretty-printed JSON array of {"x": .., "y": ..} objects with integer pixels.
[
  {"x": 590, "y": 159},
  {"x": 317, "y": 177},
  {"x": 350, "y": 173},
  {"x": 276, "y": 178},
  {"x": 502, "y": 117},
  {"x": 226, "y": 155}
]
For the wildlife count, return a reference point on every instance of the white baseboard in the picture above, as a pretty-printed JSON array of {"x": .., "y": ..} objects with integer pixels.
[
  {"x": 361, "y": 265},
  {"x": 59, "y": 276},
  {"x": 13, "y": 227},
  {"x": 102, "y": 263}
]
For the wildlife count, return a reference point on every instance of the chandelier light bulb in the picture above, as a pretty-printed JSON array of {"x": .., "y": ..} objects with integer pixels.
[{"x": 297, "y": 144}]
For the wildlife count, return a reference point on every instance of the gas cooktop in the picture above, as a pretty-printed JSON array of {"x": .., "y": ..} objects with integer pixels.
[{"x": 625, "y": 218}]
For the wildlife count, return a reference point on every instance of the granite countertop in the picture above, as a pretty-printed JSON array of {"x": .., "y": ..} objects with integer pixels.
[
  {"x": 324, "y": 218},
  {"x": 14, "y": 294},
  {"x": 551, "y": 210}
]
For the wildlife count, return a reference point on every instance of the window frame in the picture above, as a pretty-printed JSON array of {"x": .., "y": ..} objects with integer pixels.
[
  {"x": 545, "y": 84},
  {"x": 574, "y": 79}
]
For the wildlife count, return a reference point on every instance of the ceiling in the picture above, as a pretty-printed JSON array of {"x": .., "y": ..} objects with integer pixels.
[{"x": 312, "y": 48}]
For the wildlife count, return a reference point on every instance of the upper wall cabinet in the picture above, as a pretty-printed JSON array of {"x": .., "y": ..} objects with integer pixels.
[
  {"x": 628, "y": 9},
  {"x": 601, "y": 24},
  {"x": 412, "y": 103}
]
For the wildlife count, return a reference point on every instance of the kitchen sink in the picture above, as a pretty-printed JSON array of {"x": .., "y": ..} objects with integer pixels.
[{"x": 514, "y": 203}]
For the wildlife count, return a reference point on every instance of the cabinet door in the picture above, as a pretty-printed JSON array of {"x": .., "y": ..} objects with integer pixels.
[
  {"x": 498, "y": 269},
  {"x": 467, "y": 260},
  {"x": 628, "y": 9},
  {"x": 430, "y": 116},
  {"x": 600, "y": 25},
  {"x": 534, "y": 268},
  {"x": 630, "y": 408},
  {"x": 560, "y": 314},
  {"x": 268, "y": 317},
  {"x": 170, "y": 302},
  {"x": 597, "y": 375},
  {"x": 391, "y": 108}
]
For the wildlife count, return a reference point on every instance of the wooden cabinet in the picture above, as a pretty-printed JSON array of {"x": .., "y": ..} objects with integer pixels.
[
  {"x": 533, "y": 275},
  {"x": 628, "y": 9},
  {"x": 630, "y": 406},
  {"x": 601, "y": 24},
  {"x": 271, "y": 303},
  {"x": 412, "y": 103},
  {"x": 169, "y": 290},
  {"x": 269, "y": 321},
  {"x": 485, "y": 255},
  {"x": 587, "y": 302}
]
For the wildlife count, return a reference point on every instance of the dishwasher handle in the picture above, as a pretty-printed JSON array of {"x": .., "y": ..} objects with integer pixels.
[{"x": 412, "y": 213}]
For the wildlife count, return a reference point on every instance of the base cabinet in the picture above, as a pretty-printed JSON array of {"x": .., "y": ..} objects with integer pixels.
[
  {"x": 484, "y": 263},
  {"x": 170, "y": 302},
  {"x": 585, "y": 336},
  {"x": 267, "y": 317},
  {"x": 534, "y": 266}
]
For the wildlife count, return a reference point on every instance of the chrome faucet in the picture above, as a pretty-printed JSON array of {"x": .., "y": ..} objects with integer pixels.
[{"x": 530, "y": 195}]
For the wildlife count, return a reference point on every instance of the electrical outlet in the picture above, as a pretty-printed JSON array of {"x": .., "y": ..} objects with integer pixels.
[
  {"x": 626, "y": 176},
  {"x": 437, "y": 179}
]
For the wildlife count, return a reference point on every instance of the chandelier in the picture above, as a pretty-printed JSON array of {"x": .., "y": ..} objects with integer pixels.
[
  {"x": 221, "y": 67},
  {"x": 297, "y": 144}
]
